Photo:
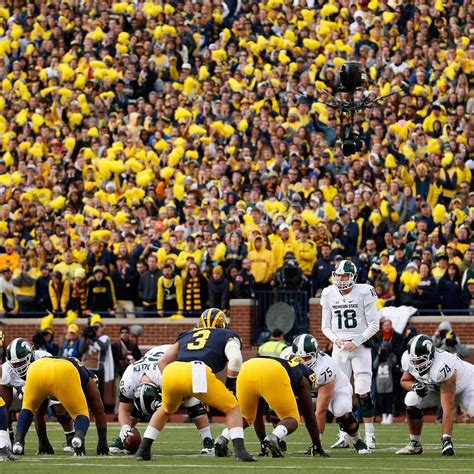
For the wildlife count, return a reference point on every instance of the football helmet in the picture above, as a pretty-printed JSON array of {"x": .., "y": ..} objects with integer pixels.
[
  {"x": 345, "y": 267},
  {"x": 147, "y": 398},
  {"x": 421, "y": 353},
  {"x": 213, "y": 318},
  {"x": 20, "y": 355},
  {"x": 306, "y": 347}
]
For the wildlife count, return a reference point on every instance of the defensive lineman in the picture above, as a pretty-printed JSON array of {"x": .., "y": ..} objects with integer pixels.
[
  {"x": 433, "y": 377},
  {"x": 140, "y": 393},
  {"x": 350, "y": 319},
  {"x": 334, "y": 389}
]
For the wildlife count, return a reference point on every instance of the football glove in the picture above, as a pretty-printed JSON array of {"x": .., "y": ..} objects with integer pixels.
[
  {"x": 102, "y": 449},
  {"x": 447, "y": 449},
  {"x": 125, "y": 432},
  {"x": 315, "y": 450},
  {"x": 420, "y": 388},
  {"x": 263, "y": 450}
]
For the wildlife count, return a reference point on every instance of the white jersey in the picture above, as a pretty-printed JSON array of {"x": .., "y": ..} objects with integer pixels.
[
  {"x": 325, "y": 369},
  {"x": 11, "y": 379},
  {"x": 350, "y": 316},
  {"x": 147, "y": 365},
  {"x": 442, "y": 369}
]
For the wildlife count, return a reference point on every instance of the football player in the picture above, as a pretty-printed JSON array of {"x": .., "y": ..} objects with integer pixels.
[
  {"x": 433, "y": 377},
  {"x": 75, "y": 387},
  {"x": 278, "y": 382},
  {"x": 5, "y": 445},
  {"x": 189, "y": 369},
  {"x": 20, "y": 354},
  {"x": 140, "y": 393},
  {"x": 333, "y": 388},
  {"x": 350, "y": 318}
]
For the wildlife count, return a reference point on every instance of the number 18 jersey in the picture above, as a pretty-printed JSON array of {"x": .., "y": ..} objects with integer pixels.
[
  {"x": 347, "y": 316},
  {"x": 206, "y": 345}
]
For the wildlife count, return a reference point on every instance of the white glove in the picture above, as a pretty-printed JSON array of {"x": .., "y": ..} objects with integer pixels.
[{"x": 125, "y": 432}]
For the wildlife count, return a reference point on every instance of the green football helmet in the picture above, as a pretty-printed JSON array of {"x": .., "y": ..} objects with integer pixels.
[
  {"x": 421, "y": 353},
  {"x": 147, "y": 398},
  {"x": 345, "y": 267},
  {"x": 20, "y": 355},
  {"x": 306, "y": 347}
]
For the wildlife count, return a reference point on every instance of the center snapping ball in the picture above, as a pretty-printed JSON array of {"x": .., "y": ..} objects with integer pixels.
[{"x": 132, "y": 443}]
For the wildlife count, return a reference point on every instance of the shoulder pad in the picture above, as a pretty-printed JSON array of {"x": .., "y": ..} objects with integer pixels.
[
  {"x": 405, "y": 362},
  {"x": 364, "y": 288},
  {"x": 326, "y": 291}
]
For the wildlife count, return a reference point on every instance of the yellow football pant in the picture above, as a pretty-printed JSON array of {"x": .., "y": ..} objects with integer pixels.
[
  {"x": 58, "y": 379},
  {"x": 267, "y": 379},
  {"x": 178, "y": 384}
]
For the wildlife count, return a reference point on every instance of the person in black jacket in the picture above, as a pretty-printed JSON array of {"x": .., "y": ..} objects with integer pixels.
[
  {"x": 125, "y": 284},
  {"x": 450, "y": 289},
  {"x": 42, "y": 288},
  {"x": 245, "y": 281},
  {"x": 148, "y": 287},
  {"x": 350, "y": 234},
  {"x": 218, "y": 289},
  {"x": 322, "y": 270},
  {"x": 101, "y": 293},
  {"x": 426, "y": 295}
]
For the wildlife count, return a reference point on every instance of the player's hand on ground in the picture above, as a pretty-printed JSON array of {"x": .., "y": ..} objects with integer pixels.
[
  {"x": 318, "y": 451},
  {"x": 103, "y": 449},
  {"x": 263, "y": 450}
]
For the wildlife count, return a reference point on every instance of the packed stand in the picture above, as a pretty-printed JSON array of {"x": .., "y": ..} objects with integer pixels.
[{"x": 157, "y": 158}]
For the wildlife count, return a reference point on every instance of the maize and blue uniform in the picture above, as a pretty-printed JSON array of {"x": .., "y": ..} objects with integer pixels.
[
  {"x": 277, "y": 381},
  {"x": 201, "y": 355}
]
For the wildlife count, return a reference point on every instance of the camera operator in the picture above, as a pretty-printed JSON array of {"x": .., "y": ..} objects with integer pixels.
[
  {"x": 290, "y": 276},
  {"x": 124, "y": 352},
  {"x": 44, "y": 340},
  {"x": 95, "y": 351}
]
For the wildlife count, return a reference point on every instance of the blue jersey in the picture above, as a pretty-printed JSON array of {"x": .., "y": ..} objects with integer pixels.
[
  {"x": 84, "y": 373},
  {"x": 296, "y": 371},
  {"x": 206, "y": 345}
]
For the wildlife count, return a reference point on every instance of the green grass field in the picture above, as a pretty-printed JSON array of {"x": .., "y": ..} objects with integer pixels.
[{"x": 177, "y": 450}]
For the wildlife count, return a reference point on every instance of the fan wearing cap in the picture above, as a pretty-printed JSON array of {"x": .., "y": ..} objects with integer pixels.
[
  {"x": 71, "y": 343},
  {"x": 284, "y": 243},
  {"x": 101, "y": 293}
]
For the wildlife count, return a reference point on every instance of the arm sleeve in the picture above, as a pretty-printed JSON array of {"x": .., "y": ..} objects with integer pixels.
[
  {"x": 160, "y": 294},
  {"x": 112, "y": 293},
  {"x": 326, "y": 322},
  {"x": 179, "y": 293},
  {"x": 233, "y": 354}
]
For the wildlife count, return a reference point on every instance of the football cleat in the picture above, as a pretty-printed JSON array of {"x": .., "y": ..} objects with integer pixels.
[
  {"x": 18, "y": 448},
  {"x": 143, "y": 454},
  {"x": 117, "y": 447},
  {"x": 413, "y": 447},
  {"x": 283, "y": 447},
  {"x": 342, "y": 441},
  {"x": 270, "y": 443},
  {"x": 221, "y": 447},
  {"x": 208, "y": 447},
  {"x": 6, "y": 454},
  {"x": 370, "y": 440},
  {"x": 361, "y": 447}
]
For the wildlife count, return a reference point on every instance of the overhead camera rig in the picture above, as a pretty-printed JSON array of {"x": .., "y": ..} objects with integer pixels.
[{"x": 352, "y": 78}]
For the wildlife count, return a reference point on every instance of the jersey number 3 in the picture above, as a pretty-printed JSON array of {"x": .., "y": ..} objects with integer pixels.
[
  {"x": 200, "y": 339},
  {"x": 346, "y": 319}
]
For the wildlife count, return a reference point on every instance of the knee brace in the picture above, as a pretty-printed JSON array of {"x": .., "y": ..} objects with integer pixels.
[
  {"x": 366, "y": 405},
  {"x": 196, "y": 410},
  {"x": 348, "y": 424},
  {"x": 63, "y": 418},
  {"x": 414, "y": 413}
]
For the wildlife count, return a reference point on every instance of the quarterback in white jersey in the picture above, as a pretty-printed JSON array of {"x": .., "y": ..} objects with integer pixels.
[
  {"x": 349, "y": 319},
  {"x": 20, "y": 354},
  {"x": 140, "y": 394},
  {"x": 432, "y": 378},
  {"x": 334, "y": 391}
]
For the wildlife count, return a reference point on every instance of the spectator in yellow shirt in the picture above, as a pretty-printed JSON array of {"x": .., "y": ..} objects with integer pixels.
[
  {"x": 263, "y": 264},
  {"x": 388, "y": 269}
]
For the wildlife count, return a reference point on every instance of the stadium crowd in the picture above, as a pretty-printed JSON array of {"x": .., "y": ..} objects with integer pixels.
[{"x": 161, "y": 156}]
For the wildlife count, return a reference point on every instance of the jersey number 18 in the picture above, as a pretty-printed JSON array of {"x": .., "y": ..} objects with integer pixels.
[{"x": 346, "y": 319}]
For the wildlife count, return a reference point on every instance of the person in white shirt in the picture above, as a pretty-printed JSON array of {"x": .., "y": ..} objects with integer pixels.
[
  {"x": 334, "y": 391},
  {"x": 349, "y": 319},
  {"x": 432, "y": 378}
]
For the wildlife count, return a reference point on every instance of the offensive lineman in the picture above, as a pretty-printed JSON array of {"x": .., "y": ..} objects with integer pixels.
[
  {"x": 433, "y": 377},
  {"x": 350, "y": 318},
  {"x": 333, "y": 388},
  {"x": 5, "y": 444},
  {"x": 20, "y": 354},
  {"x": 189, "y": 369},
  {"x": 140, "y": 393}
]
